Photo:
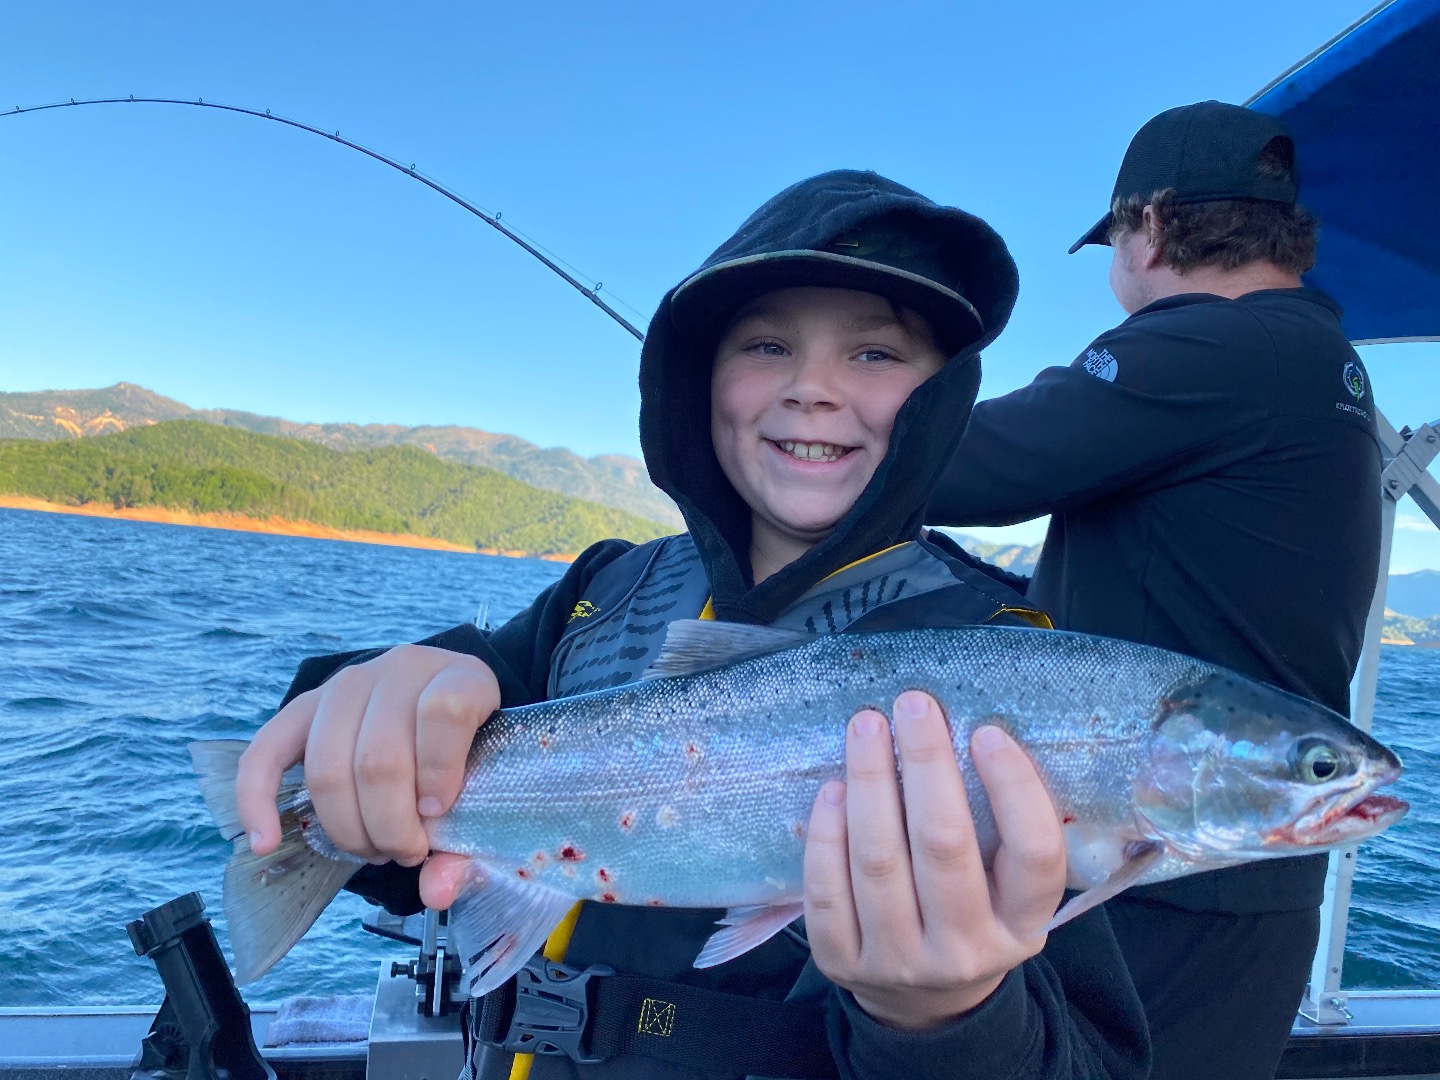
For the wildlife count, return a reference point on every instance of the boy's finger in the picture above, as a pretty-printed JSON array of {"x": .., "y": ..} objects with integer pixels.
[
  {"x": 385, "y": 774},
  {"x": 1029, "y": 870},
  {"x": 279, "y": 744},
  {"x": 880, "y": 873},
  {"x": 830, "y": 921},
  {"x": 452, "y": 706},
  {"x": 441, "y": 879},
  {"x": 330, "y": 760},
  {"x": 950, "y": 883}
]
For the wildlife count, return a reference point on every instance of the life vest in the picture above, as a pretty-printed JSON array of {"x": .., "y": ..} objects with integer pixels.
[{"x": 617, "y": 628}]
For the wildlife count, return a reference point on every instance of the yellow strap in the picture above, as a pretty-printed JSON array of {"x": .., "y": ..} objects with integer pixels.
[
  {"x": 555, "y": 946},
  {"x": 867, "y": 558},
  {"x": 708, "y": 611},
  {"x": 1037, "y": 619}
]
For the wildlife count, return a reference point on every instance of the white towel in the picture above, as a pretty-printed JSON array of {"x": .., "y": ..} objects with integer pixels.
[{"x": 332, "y": 1019}]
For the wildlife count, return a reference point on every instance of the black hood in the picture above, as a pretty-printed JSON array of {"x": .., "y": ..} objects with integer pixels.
[{"x": 675, "y": 390}]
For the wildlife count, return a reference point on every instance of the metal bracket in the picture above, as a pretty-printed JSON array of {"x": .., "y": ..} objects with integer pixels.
[
  {"x": 1407, "y": 469},
  {"x": 1332, "y": 1008},
  {"x": 437, "y": 972}
]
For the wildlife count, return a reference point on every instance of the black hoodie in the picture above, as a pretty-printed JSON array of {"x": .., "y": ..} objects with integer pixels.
[
  {"x": 1070, "y": 1012},
  {"x": 675, "y": 388}
]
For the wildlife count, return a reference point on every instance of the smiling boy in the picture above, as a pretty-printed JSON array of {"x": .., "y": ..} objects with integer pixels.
[{"x": 833, "y": 343}]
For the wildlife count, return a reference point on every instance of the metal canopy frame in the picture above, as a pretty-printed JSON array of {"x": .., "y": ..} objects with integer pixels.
[
  {"x": 1405, "y": 472},
  {"x": 1358, "y": 108}
]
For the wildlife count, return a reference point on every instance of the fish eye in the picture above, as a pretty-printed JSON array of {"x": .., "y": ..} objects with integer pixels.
[{"x": 1317, "y": 761}]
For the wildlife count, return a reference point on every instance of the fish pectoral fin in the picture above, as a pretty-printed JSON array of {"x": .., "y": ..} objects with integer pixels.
[
  {"x": 695, "y": 645},
  {"x": 743, "y": 928},
  {"x": 1140, "y": 855},
  {"x": 499, "y": 922}
]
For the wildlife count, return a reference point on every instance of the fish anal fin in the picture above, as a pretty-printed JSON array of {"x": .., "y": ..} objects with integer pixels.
[
  {"x": 743, "y": 928},
  {"x": 696, "y": 645},
  {"x": 499, "y": 922},
  {"x": 1140, "y": 856}
]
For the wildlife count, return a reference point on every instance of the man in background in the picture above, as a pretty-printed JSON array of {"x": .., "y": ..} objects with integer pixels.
[{"x": 1211, "y": 467}]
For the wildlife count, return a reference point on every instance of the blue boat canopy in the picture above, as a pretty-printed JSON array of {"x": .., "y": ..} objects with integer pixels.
[{"x": 1365, "y": 114}]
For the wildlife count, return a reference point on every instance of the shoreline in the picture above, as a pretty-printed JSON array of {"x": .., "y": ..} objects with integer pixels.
[{"x": 272, "y": 526}]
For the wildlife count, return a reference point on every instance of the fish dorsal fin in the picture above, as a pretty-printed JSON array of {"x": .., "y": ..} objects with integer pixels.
[{"x": 696, "y": 645}]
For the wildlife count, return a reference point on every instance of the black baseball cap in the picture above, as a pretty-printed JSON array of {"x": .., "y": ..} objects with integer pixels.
[
  {"x": 891, "y": 257},
  {"x": 1206, "y": 151}
]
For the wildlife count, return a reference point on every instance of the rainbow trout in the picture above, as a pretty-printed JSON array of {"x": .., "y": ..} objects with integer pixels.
[{"x": 693, "y": 786}]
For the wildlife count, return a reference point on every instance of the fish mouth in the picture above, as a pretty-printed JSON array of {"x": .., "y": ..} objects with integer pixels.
[{"x": 1330, "y": 821}]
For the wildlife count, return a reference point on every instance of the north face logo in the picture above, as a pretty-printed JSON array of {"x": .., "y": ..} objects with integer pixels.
[{"x": 1101, "y": 364}]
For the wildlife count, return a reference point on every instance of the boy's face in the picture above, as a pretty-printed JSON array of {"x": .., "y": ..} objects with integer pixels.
[{"x": 805, "y": 389}]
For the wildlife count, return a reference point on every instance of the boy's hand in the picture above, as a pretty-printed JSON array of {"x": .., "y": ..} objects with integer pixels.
[
  {"x": 899, "y": 909},
  {"x": 383, "y": 742}
]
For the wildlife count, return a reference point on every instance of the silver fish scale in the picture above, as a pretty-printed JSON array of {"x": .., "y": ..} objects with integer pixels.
[{"x": 695, "y": 790}]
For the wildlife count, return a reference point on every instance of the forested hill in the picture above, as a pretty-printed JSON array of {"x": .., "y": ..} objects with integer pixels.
[
  {"x": 609, "y": 479},
  {"x": 194, "y": 466}
]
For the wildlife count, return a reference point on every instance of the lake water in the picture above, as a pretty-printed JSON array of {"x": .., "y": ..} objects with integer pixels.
[{"x": 122, "y": 641}]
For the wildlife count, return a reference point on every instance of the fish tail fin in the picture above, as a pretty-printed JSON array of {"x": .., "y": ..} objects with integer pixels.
[{"x": 270, "y": 900}]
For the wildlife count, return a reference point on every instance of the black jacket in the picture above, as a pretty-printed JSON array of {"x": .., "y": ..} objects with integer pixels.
[
  {"x": 1069, "y": 1013},
  {"x": 1211, "y": 468}
]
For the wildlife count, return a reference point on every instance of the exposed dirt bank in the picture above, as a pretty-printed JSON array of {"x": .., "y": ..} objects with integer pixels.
[{"x": 275, "y": 526}]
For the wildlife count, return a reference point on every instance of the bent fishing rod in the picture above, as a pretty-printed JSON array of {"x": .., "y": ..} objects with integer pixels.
[{"x": 591, "y": 293}]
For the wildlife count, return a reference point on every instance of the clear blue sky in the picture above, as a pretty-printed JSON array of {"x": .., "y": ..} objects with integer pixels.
[{"x": 226, "y": 261}]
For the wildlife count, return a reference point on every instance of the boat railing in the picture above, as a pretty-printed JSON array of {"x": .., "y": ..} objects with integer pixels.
[{"x": 1406, "y": 461}]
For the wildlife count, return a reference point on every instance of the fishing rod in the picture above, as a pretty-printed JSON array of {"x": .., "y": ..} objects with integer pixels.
[{"x": 591, "y": 293}]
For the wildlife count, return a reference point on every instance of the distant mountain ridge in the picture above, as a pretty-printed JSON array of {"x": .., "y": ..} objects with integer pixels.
[
  {"x": 1416, "y": 594},
  {"x": 613, "y": 480}
]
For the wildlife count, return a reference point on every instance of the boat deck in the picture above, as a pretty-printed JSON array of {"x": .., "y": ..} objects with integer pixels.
[{"x": 1390, "y": 1034}]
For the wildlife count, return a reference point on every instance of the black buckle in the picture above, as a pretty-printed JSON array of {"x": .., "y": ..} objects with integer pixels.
[{"x": 552, "y": 1010}]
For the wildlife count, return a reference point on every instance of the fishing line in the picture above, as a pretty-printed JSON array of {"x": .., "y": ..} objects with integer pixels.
[{"x": 572, "y": 277}]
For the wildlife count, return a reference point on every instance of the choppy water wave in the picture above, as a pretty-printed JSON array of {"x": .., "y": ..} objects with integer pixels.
[{"x": 122, "y": 641}]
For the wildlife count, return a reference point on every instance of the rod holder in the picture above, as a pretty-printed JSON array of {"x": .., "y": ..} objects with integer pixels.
[{"x": 202, "y": 1031}]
